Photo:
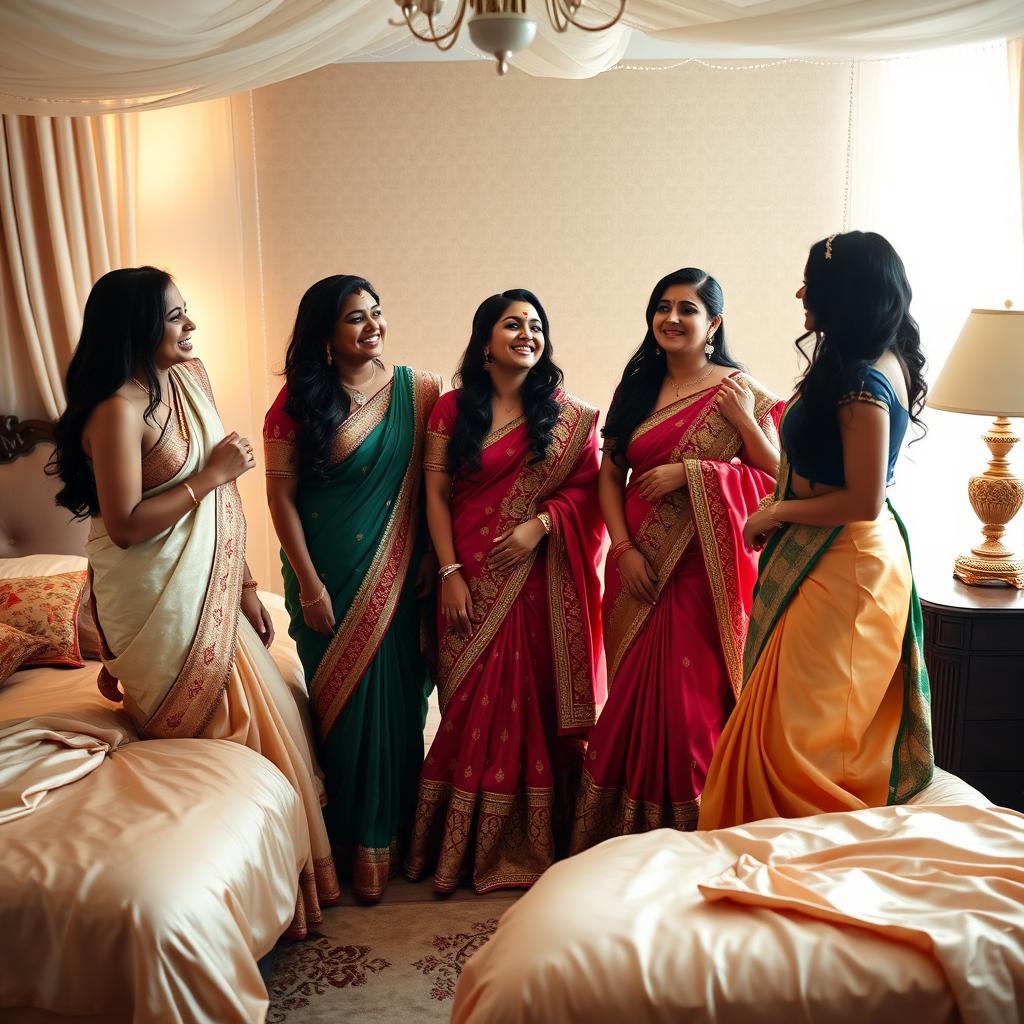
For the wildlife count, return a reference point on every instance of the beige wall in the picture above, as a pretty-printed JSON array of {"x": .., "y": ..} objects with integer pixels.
[{"x": 443, "y": 184}]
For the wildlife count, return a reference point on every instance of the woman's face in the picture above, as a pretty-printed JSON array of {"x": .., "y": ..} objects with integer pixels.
[
  {"x": 359, "y": 331},
  {"x": 801, "y": 293},
  {"x": 681, "y": 323},
  {"x": 176, "y": 345},
  {"x": 517, "y": 339}
]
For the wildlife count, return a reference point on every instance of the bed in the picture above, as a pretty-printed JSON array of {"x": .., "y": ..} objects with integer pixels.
[
  {"x": 148, "y": 889},
  {"x": 898, "y": 915}
]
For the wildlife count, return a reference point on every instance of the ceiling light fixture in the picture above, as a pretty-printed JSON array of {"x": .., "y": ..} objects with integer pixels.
[{"x": 499, "y": 27}]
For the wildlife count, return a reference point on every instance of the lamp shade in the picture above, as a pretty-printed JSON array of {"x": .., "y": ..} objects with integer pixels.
[{"x": 985, "y": 371}]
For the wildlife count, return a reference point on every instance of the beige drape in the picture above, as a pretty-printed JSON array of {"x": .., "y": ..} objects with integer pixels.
[
  {"x": 67, "y": 205},
  {"x": 1015, "y": 57}
]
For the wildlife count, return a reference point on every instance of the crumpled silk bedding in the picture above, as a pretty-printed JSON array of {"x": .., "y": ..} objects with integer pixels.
[
  {"x": 895, "y": 914},
  {"x": 146, "y": 890}
]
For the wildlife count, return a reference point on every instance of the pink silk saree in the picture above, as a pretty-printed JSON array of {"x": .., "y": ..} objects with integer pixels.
[
  {"x": 515, "y": 695},
  {"x": 675, "y": 668}
]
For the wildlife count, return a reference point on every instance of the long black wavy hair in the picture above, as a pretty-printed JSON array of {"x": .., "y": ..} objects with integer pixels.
[
  {"x": 122, "y": 326},
  {"x": 316, "y": 399},
  {"x": 474, "y": 401},
  {"x": 644, "y": 374},
  {"x": 859, "y": 299}
]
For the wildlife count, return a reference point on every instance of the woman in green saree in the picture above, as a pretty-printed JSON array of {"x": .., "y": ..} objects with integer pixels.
[{"x": 344, "y": 452}]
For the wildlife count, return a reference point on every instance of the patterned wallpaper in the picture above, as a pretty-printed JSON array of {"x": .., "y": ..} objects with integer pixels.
[{"x": 442, "y": 183}]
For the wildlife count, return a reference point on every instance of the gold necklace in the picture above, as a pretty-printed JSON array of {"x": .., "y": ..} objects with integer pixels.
[
  {"x": 357, "y": 395},
  {"x": 689, "y": 383}
]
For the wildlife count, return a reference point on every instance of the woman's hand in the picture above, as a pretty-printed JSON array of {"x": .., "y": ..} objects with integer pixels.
[
  {"x": 319, "y": 616},
  {"x": 425, "y": 575},
  {"x": 638, "y": 576},
  {"x": 512, "y": 546},
  {"x": 656, "y": 483},
  {"x": 230, "y": 458},
  {"x": 759, "y": 527},
  {"x": 258, "y": 616},
  {"x": 735, "y": 401},
  {"x": 457, "y": 605}
]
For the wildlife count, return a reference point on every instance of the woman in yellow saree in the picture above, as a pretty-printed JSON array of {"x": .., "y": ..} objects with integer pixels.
[
  {"x": 141, "y": 450},
  {"x": 834, "y": 713}
]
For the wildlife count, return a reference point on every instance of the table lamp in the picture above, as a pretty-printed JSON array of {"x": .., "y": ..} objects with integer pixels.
[{"x": 985, "y": 375}]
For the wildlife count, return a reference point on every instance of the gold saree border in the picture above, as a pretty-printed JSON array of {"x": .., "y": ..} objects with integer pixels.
[
  {"x": 669, "y": 527},
  {"x": 364, "y": 421},
  {"x": 510, "y": 836},
  {"x": 494, "y": 597},
  {"x": 191, "y": 701},
  {"x": 606, "y": 811},
  {"x": 356, "y": 641}
]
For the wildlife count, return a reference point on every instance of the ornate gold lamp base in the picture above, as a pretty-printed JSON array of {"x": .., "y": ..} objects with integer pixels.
[{"x": 996, "y": 497}]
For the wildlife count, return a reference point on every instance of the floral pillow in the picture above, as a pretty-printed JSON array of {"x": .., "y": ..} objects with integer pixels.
[
  {"x": 16, "y": 648},
  {"x": 45, "y": 607}
]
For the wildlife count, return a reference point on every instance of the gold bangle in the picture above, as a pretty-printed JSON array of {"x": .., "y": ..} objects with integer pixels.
[
  {"x": 446, "y": 570},
  {"x": 545, "y": 520},
  {"x": 773, "y": 515},
  {"x": 319, "y": 597},
  {"x": 191, "y": 493},
  {"x": 249, "y": 584}
]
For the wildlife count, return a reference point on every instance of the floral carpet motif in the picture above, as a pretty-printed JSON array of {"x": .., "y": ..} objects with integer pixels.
[
  {"x": 310, "y": 968},
  {"x": 453, "y": 952}
]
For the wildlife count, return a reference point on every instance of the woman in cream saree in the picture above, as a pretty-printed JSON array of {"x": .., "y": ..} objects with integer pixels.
[{"x": 169, "y": 579}]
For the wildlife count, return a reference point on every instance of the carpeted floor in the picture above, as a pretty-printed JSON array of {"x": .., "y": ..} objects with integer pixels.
[{"x": 392, "y": 963}]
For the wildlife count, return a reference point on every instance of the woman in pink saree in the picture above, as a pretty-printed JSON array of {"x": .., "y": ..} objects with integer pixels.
[
  {"x": 699, "y": 442},
  {"x": 511, "y": 466}
]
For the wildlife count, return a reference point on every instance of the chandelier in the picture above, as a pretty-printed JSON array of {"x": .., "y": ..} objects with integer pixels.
[{"x": 499, "y": 27}]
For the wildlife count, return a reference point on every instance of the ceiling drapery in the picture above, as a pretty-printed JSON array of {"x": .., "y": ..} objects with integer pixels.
[{"x": 91, "y": 56}]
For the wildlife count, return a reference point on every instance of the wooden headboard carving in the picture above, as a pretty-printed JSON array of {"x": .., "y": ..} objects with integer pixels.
[
  {"x": 31, "y": 523},
  {"x": 19, "y": 437}
]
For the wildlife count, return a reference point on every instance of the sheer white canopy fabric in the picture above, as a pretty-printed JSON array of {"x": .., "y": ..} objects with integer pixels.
[{"x": 94, "y": 56}]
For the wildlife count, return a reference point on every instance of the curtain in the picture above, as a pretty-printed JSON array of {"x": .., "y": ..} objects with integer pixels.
[
  {"x": 67, "y": 205},
  {"x": 1015, "y": 68},
  {"x": 65, "y": 56}
]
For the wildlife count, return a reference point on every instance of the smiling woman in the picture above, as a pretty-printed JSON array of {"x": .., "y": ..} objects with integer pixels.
[
  {"x": 511, "y": 463},
  {"x": 141, "y": 449},
  {"x": 344, "y": 446}
]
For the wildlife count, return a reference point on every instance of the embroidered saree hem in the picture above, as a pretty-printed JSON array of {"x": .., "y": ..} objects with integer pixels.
[
  {"x": 606, "y": 811},
  {"x": 496, "y": 840}
]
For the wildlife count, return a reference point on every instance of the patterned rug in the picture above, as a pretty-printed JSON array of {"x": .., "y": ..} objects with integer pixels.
[{"x": 391, "y": 963}]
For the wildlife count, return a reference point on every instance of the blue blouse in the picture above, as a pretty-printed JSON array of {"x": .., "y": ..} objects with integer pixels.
[{"x": 824, "y": 465}]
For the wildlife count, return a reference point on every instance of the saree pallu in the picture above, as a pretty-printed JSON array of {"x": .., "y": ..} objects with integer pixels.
[
  {"x": 176, "y": 649},
  {"x": 369, "y": 681},
  {"x": 676, "y": 667},
  {"x": 835, "y": 709},
  {"x": 495, "y": 794}
]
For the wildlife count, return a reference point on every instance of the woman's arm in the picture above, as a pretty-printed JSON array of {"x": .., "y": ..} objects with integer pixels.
[
  {"x": 114, "y": 436},
  {"x": 317, "y": 610},
  {"x": 735, "y": 401},
  {"x": 638, "y": 576},
  {"x": 864, "y": 429},
  {"x": 456, "y": 599}
]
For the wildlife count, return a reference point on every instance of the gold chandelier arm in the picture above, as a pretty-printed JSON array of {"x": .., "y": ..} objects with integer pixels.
[
  {"x": 558, "y": 20},
  {"x": 567, "y": 15},
  {"x": 450, "y": 34}
]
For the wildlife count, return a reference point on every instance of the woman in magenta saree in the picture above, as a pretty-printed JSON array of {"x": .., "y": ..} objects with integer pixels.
[
  {"x": 520, "y": 669},
  {"x": 701, "y": 454}
]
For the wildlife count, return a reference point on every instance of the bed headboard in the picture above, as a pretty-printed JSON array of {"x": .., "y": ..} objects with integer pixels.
[{"x": 30, "y": 521}]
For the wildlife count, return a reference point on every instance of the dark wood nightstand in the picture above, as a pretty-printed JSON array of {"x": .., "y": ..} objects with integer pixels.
[{"x": 974, "y": 648}]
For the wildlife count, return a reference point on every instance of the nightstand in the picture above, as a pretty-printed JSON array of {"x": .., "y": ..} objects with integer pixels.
[{"x": 974, "y": 649}]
